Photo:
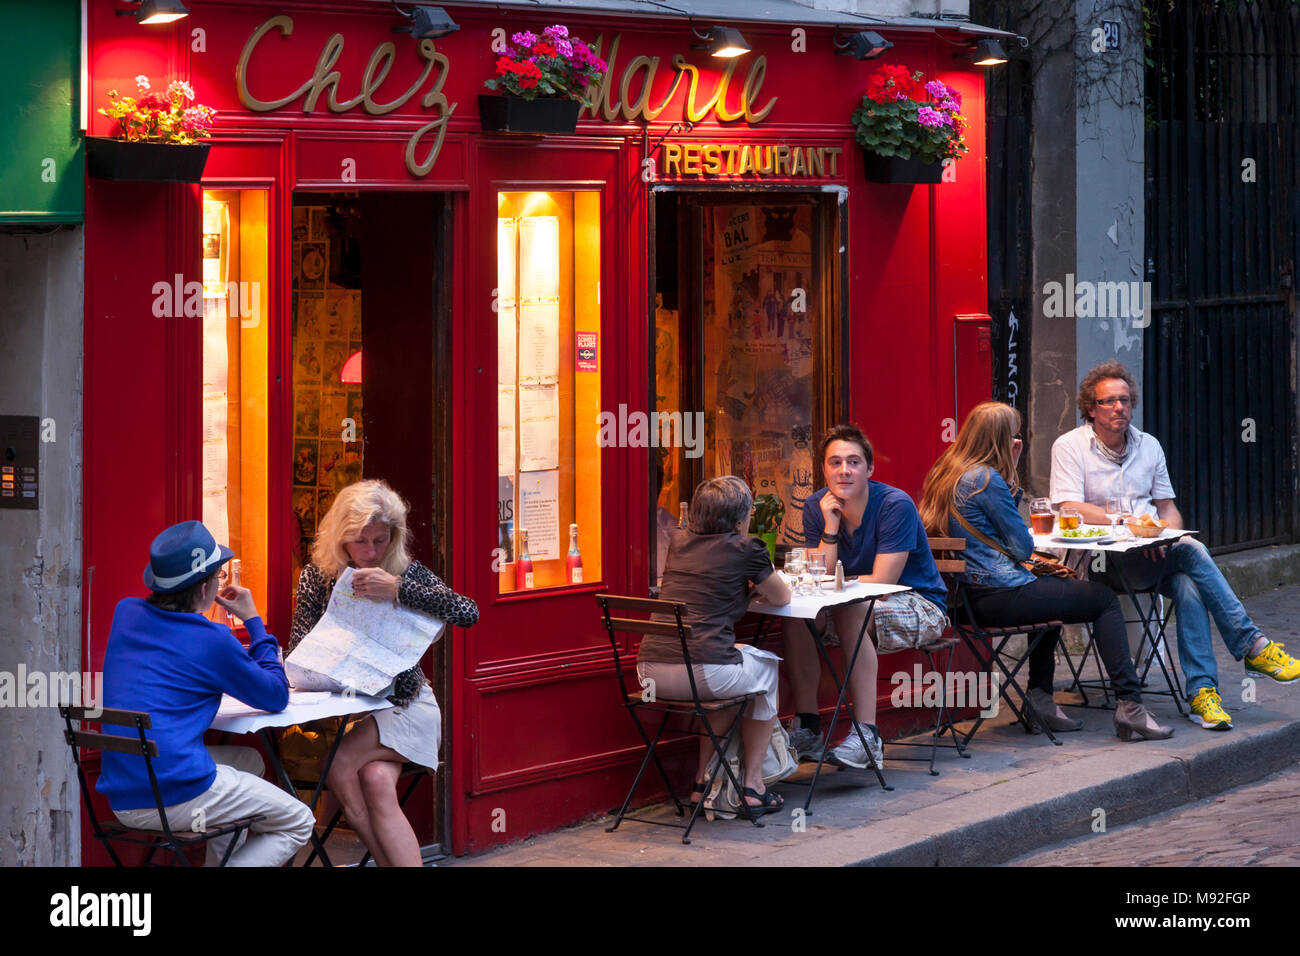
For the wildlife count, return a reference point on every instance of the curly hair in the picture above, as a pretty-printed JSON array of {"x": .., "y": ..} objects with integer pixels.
[{"x": 1111, "y": 368}]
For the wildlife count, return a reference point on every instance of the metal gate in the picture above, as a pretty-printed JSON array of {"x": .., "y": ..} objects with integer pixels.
[{"x": 1222, "y": 224}]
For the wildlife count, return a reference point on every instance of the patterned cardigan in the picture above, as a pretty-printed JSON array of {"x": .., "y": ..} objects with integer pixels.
[{"x": 417, "y": 588}]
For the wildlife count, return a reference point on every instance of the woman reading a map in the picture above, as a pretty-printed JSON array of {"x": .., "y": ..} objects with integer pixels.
[{"x": 365, "y": 529}]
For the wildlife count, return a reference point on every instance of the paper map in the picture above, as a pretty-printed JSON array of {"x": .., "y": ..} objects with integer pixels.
[{"x": 360, "y": 643}]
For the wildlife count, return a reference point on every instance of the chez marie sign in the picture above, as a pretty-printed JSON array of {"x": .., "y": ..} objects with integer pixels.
[{"x": 625, "y": 95}]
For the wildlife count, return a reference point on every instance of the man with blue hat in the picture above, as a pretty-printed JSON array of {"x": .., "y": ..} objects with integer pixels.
[{"x": 166, "y": 659}]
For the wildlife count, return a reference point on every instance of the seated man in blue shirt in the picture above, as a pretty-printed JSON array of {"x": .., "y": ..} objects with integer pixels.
[
  {"x": 166, "y": 659},
  {"x": 875, "y": 530}
]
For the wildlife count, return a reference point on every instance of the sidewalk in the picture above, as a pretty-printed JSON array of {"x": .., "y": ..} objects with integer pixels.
[{"x": 1015, "y": 794}]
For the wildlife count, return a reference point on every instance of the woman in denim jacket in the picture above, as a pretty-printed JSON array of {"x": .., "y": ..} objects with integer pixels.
[{"x": 972, "y": 492}]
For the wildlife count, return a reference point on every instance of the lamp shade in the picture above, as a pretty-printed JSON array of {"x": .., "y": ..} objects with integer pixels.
[
  {"x": 161, "y": 11},
  {"x": 988, "y": 52},
  {"x": 351, "y": 374},
  {"x": 726, "y": 42}
]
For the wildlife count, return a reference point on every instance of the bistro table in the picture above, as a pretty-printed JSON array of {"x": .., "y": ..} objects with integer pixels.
[
  {"x": 806, "y": 607},
  {"x": 1150, "y": 617},
  {"x": 234, "y": 717}
]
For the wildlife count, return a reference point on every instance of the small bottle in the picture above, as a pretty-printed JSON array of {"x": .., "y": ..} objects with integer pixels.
[
  {"x": 524, "y": 565},
  {"x": 839, "y": 575},
  {"x": 573, "y": 563},
  {"x": 681, "y": 515},
  {"x": 236, "y": 568}
]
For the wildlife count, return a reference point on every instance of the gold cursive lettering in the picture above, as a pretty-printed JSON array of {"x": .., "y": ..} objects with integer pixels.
[{"x": 241, "y": 68}]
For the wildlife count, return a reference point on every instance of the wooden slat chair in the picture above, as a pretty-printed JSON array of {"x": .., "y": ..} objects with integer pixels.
[
  {"x": 989, "y": 644},
  {"x": 638, "y": 701},
  {"x": 109, "y": 833},
  {"x": 939, "y": 655}
]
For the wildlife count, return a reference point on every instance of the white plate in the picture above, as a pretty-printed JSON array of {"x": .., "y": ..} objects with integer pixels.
[{"x": 1104, "y": 539}]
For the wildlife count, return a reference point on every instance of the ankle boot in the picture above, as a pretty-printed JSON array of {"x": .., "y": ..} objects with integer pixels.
[
  {"x": 1132, "y": 718},
  {"x": 1050, "y": 714}
]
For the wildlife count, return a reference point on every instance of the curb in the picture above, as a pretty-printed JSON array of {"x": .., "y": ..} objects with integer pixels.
[{"x": 1152, "y": 783}]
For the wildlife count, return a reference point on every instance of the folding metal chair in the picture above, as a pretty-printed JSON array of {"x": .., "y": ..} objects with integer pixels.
[
  {"x": 942, "y": 649},
  {"x": 989, "y": 644},
  {"x": 110, "y": 833},
  {"x": 643, "y": 700},
  {"x": 1154, "y": 649}
]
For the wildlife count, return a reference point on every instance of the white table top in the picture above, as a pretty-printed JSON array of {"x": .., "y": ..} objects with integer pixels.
[
  {"x": 809, "y": 605},
  {"x": 1049, "y": 542},
  {"x": 238, "y": 718}
]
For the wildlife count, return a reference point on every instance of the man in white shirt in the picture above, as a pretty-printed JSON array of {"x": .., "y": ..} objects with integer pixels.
[{"x": 1107, "y": 456}]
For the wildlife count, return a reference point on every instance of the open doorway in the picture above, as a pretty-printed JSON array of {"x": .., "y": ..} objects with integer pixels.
[{"x": 371, "y": 389}]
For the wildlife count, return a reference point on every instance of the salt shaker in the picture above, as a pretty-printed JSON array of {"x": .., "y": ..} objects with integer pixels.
[{"x": 839, "y": 575}]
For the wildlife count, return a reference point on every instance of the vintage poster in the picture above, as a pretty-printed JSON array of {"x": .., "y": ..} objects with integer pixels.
[
  {"x": 304, "y": 462},
  {"x": 306, "y": 411},
  {"x": 333, "y": 409}
]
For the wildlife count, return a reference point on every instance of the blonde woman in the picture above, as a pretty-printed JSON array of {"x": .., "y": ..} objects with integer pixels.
[
  {"x": 365, "y": 529},
  {"x": 972, "y": 492}
]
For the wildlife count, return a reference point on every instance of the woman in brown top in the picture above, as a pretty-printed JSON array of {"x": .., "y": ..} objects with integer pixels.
[
  {"x": 710, "y": 568},
  {"x": 365, "y": 529}
]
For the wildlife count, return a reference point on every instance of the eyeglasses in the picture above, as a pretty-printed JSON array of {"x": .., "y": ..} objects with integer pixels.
[{"x": 1111, "y": 402}]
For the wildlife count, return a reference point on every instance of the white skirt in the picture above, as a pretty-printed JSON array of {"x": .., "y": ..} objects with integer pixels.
[{"x": 414, "y": 731}]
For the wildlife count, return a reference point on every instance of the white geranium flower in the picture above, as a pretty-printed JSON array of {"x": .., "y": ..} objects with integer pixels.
[{"x": 142, "y": 81}]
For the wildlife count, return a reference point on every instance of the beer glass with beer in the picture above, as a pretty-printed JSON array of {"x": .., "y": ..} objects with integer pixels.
[
  {"x": 1040, "y": 516},
  {"x": 1070, "y": 519}
]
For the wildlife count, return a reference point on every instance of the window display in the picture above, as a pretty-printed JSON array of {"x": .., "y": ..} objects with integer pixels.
[{"x": 548, "y": 384}]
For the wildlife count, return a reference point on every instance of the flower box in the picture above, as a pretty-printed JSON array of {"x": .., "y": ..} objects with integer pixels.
[
  {"x": 514, "y": 114},
  {"x": 895, "y": 169},
  {"x": 119, "y": 159}
]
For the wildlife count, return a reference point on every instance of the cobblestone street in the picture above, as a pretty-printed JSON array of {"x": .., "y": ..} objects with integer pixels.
[{"x": 1254, "y": 825}]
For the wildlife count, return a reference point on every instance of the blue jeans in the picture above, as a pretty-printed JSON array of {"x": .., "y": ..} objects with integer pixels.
[{"x": 1189, "y": 576}]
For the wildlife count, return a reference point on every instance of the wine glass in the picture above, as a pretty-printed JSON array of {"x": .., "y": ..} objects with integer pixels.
[
  {"x": 817, "y": 567},
  {"x": 1114, "y": 509},
  {"x": 794, "y": 567}
]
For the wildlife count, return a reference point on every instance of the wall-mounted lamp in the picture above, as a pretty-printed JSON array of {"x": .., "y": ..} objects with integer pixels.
[
  {"x": 157, "y": 11},
  {"x": 721, "y": 41},
  {"x": 426, "y": 23},
  {"x": 865, "y": 45},
  {"x": 988, "y": 52},
  {"x": 350, "y": 374}
]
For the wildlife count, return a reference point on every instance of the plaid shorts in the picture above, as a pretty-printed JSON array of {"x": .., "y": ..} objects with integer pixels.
[{"x": 907, "y": 621}]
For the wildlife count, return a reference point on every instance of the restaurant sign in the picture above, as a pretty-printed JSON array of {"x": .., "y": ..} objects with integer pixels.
[
  {"x": 750, "y": 159},
  {"x": 627, "y": 98}
]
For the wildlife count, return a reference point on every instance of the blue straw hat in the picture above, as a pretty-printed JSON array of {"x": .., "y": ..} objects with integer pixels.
[{"x": 183, "y": 555}]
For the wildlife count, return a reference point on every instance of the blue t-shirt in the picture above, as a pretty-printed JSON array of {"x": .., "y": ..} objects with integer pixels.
[{"x": 890, "y": 525}]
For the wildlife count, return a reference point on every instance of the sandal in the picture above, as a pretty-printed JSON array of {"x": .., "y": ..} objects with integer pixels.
[{"x": 771, "y": 802}]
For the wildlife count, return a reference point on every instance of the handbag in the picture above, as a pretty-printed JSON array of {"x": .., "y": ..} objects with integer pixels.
[
  {"x": 779, "y": 761},
  {"x": 1040, "y": 564}
]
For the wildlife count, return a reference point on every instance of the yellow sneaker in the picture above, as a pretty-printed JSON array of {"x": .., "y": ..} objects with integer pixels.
[
  {"x": 1207, "y": 710},
  {"x": 1274, "y": 662}
]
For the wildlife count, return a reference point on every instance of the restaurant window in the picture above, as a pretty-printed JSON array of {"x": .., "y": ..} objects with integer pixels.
[
  {"x": 236, "y": 291},
  {"x": 548, "y": 386},
  {"x": 746, "y": 338}
]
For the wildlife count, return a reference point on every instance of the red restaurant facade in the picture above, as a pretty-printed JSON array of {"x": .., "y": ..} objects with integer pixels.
[{"x": 705, "y": 247}]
